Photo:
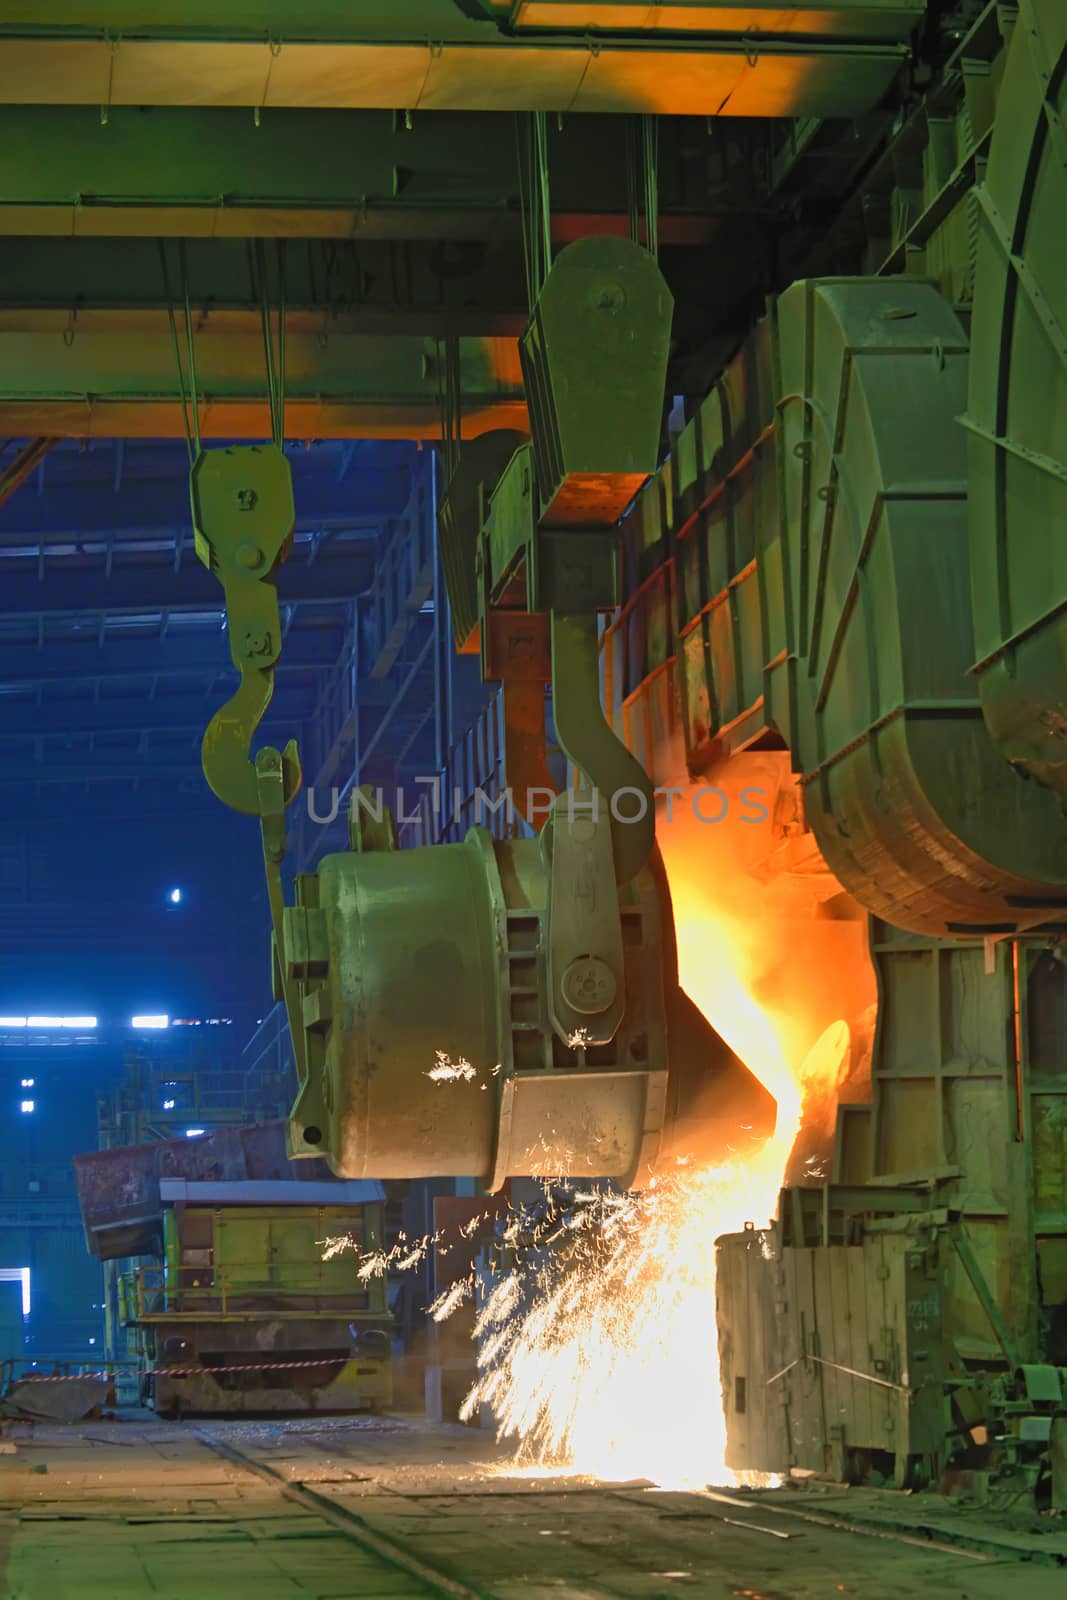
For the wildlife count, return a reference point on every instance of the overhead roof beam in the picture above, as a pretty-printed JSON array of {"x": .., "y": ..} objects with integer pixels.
[
  {"x": 210, "y": 172},
  {"x": 76, "y": 768},
  {"x": 64, "y": 587},
  {"x": 424, "y": 56},
  {"x": 21, "y": 466},
  {"x": 169, "y": 715},
  {"x": 337, "y": 386},
  {"x": 448, "y": 21},
  {"x": 62, "y": 660}
]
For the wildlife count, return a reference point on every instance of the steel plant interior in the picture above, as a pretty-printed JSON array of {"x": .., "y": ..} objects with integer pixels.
[{"x": 453, "y": 449}]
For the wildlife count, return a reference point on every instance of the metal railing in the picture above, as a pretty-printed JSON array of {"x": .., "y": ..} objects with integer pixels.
[
  {"x": 156, "y": 1293},
  {"x": 472, "y": 783}
]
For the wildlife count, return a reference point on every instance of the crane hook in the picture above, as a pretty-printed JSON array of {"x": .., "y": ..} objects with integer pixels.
[{"x": 243, "y": 516}]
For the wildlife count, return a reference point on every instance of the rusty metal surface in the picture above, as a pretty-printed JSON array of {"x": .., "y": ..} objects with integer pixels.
[{"x": 119, "y": 1190}]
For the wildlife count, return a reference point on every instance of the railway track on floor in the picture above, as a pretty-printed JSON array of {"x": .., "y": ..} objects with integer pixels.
[{"x": 348, "y": 1523}]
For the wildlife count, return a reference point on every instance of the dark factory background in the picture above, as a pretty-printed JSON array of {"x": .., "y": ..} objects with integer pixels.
[{"x": 126, "y": 890}]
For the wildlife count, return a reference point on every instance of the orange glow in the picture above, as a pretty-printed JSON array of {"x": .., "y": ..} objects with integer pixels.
[{"x": 608, "y": 1365}]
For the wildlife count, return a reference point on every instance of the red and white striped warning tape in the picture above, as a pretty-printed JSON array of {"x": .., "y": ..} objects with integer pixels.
[{"x": 190, "y": 1372}]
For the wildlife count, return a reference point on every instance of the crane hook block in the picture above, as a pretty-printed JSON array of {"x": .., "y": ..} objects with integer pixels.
[{"x": 243, "y": 516}]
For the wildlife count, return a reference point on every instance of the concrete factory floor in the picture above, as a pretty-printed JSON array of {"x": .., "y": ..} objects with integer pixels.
[{"x": 392, "y": 1507}]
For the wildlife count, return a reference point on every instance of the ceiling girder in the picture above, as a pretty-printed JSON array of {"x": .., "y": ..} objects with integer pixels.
[
  {"x": 63, "y": 660},
  {"x": 21, "y": 466},
  {"x": 65, "y": 587},
  {"x": 311, "y": 174},
  {"x": 169, "y": 715},
  {"x": 337, "y": 385},
  {"x": 831, "y": 66}
]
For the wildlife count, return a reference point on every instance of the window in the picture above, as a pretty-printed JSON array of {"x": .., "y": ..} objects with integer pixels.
[{"x": 18, "y": 1275}]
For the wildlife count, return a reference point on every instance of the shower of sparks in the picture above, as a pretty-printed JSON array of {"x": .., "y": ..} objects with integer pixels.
[
  {"x": 596, "y": 1331},
  {"x": 597, "y": 1349},
  {"x": 336, "y": 1246},
  {"x": 400, "y": 1257},
  {"x": 450, "y": 1300},
  {"x": 445, "y": 1070},
  {"x": 597, "y": 1336}
]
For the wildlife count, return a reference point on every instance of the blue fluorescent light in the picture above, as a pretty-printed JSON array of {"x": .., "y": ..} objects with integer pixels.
[
  {"x": 61, "y": 1022},
  {"x": 150, "y": 1021},
  {"x": 175, "y": 897},
  {"x": 12, "y": 1022},
  {"x": 27, "y": 1106},
  {"x": 193, "y": 1133}
]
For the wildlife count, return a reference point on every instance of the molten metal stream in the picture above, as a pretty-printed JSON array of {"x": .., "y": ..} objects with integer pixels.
[{"x": 602, "y": 1358}]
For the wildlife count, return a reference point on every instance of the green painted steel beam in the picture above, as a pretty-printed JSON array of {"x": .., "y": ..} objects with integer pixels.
[
  {"x": 330, "y": 174},
  {"x": 110, "y": 385},
  {"x": 417, "y": 20},
  {"x": 252, "y": 19},
  {"x": 461, "y": 289},
  {"x": 437, "y": 55},
  {"x": 441, "y": 289}
]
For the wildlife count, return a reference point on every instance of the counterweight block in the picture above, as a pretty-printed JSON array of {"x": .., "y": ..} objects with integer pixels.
[{"x": 431, "y": 1045}]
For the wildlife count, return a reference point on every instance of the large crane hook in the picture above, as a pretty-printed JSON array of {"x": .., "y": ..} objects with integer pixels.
[{"x": 243, "y": 517}]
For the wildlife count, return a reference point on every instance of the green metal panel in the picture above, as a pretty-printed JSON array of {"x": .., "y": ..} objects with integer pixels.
[
  {"x": 242, "y": 1250},
  {"x": 511, "y": 526},
  {"x": 462, "y": 512},
  {"x": 833, "y": 447},
  {"x": 594, "y": 362},
  {"x": 1017, "y": 406},
  {"x": 281, "y": 1248},
  {"x": 872, "y": 473},
  {"x": 945, "y": 1068},
  {"x": 240, "y": 1262}
]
